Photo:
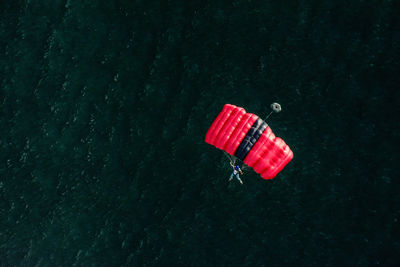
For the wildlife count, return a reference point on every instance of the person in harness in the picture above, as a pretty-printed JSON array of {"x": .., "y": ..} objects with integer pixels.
[{"x": 236, "y": 171}]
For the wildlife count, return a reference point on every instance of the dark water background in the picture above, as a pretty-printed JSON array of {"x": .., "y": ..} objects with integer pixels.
[{"x": 104, "y": 109}]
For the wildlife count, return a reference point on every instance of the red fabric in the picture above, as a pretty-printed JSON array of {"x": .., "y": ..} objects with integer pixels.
[
  {"x": 269, "y": 154},
  {"x": 229, "y": 128}
]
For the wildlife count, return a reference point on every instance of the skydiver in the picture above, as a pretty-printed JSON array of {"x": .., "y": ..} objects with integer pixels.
[{"x": 236, "y": 170}]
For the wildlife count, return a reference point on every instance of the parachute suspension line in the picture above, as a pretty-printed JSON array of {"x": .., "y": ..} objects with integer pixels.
[
  {"x": 275, "y": 107},
  {"x": 246, "y": 167},
  {"x": 230, "y": 157}
]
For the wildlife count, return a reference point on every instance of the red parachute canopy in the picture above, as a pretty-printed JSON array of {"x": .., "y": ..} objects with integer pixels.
[{"x": 249, "y": 138}]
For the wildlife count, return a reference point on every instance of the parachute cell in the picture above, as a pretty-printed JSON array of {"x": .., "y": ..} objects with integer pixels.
[{"x": 249, "y": 138}]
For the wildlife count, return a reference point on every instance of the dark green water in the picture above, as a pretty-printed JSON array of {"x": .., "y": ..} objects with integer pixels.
[{"x": 104, "y": 109}]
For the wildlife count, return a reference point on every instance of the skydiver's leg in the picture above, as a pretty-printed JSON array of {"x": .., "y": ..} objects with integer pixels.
[
  {"x": 231, "y": 177},
  {"x": 237, "y": 177}
]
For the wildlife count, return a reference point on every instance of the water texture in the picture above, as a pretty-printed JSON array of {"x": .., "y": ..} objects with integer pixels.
[{"x": 104, "y": 106}]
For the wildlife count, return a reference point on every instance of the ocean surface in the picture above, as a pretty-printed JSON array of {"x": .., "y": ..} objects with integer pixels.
[{"x": 104, "y": 106}]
